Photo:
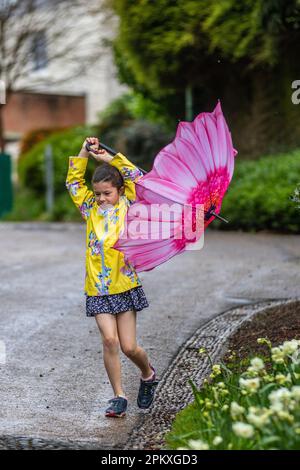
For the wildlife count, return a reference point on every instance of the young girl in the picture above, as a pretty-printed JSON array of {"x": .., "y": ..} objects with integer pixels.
[{"x": 113, "y": 290}]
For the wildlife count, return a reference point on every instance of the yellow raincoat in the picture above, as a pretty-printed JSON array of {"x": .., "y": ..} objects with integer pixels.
[{"x": 106, "y": 270}]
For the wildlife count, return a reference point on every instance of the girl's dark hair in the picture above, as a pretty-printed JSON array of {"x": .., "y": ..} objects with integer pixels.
[{"x": 107, "y": 172}]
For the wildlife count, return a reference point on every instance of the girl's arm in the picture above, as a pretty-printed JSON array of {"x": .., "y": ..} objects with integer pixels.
[
  {"x": 81, "y": 195},
  {"x": 130, "y": 173}
]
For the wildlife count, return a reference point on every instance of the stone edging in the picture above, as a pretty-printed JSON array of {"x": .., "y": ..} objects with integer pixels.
[{"x": 173, "y": 392}]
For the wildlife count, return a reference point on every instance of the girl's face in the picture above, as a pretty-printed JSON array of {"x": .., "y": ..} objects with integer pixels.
[{"x": 106, "y": 194}]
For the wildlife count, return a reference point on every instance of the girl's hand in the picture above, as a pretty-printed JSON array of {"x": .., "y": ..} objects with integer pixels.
[
  {"x": 95, "y": 152},
  {"x": 93, "y": 141}
]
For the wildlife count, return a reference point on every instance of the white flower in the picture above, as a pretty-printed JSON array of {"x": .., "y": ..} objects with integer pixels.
[
  {"x": 296, "y": 392},
  {"x": 284, "y": 415},
  {"x": 251, "y": 385},
  {"x": 243, "y": 429},
  {"x": 236, "y": 410},
  {"x": 289, "y": 347},
  {"x": 217, "y": 440},
  {"x": 221, "y": 384},
  {"x": 280, "y": 399},
  {"x": 257, "y": 364},
  {"x": 295, "y": 357},
  {"x": 259, "y": 417},
  {"x": 198, "y": 444}
]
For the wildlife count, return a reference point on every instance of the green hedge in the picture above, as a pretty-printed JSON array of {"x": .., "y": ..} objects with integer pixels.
[{"x": 259, "y": 196}]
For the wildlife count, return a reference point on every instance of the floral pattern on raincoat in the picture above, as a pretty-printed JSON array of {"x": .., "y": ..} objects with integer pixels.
[{"x": 107, "y": 272}]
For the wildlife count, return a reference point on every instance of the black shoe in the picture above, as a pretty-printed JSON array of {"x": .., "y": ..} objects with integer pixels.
[
  {"x": 118, "y": 407},
  {"x": 146, "y": 391}
]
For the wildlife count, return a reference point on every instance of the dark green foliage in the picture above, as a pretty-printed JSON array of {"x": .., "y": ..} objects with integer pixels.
[{"x": 259, "y": 196}]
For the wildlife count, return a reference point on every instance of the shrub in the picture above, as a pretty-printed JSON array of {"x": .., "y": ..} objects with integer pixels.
[
  {"x": 32, "y": 138},
  {"x": 31, "y": 166},
  {"x": 259, "y": 196}
]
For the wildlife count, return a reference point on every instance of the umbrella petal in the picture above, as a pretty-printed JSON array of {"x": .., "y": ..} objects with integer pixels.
[
  {"x": 170, "y": 168},
  {"x": 166, "y": 189}
]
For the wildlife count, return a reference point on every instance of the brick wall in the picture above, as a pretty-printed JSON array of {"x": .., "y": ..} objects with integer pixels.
[{"x": 27, "y": 111}]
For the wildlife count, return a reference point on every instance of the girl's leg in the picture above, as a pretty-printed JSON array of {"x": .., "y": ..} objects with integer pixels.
[
  {"x": 126, "y": 324},
  {"x": 108, "y": 328}
]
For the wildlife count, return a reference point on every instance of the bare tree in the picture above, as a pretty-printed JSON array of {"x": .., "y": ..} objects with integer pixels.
[{"x": 65, "y": 36}]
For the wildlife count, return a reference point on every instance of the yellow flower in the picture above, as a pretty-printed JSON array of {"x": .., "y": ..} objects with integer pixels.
[
  {"x": 202, "y": 351},
  {"x": 282, "y": 379},
  {"x": 264, "y": 341},
  {"x": 208, "y": 403},
  {"x": 217, "y": 369},
  {"x": 277, "y": 356},
  {"x": 268, "y": 378}
]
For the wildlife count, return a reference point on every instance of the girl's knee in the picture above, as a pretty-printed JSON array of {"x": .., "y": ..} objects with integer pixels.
[
  {"x": 129, "y": 350},
  {"x": 111, "y": 343}
]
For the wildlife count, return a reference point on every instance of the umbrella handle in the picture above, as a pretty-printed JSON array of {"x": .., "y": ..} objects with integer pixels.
[
  {"x": 111, "y": 151},
  {"x": 219, "y": 217}
]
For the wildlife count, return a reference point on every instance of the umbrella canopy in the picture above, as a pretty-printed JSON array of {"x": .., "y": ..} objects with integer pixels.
[{"x": 181, "y": 195}]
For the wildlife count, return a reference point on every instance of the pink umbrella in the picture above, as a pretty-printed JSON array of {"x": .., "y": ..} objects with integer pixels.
[
  {"x": 193, "y": 171},
  {"x": 184, "y": 189}
]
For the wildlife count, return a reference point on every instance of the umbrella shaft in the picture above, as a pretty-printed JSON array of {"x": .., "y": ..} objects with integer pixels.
[{"x": 219, "y": 217}]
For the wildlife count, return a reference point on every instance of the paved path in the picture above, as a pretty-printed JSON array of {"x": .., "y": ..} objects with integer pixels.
[{"x": 54, "y": 385}]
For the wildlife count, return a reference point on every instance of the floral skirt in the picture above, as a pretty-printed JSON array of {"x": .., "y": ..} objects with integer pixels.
[{"x": 133, "y": 299}]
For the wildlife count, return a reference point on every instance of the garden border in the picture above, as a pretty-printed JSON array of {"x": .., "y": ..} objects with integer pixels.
[{"x": 173, "y": 392}]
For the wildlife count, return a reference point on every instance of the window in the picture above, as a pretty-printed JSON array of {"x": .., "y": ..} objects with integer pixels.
[{"x": 39, "y": 51}]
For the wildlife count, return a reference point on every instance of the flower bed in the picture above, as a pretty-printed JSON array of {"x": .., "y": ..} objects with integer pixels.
[{"x": 253, "y": 403}]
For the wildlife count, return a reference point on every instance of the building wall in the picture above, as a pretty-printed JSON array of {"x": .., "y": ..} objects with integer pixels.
[
  {"x": 85, "y": 33},
  {"x": 27, "y": 111}
]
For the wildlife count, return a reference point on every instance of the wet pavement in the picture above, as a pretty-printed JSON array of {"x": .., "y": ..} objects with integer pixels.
[{"x": 54, "y": 387}]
